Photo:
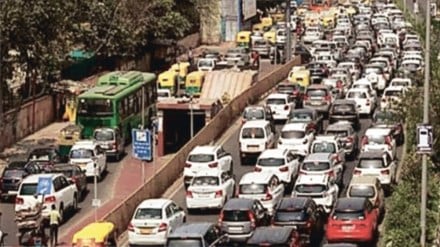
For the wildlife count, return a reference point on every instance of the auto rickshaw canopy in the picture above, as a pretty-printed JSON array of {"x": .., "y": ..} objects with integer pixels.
[{"x": 96, "y": 232}]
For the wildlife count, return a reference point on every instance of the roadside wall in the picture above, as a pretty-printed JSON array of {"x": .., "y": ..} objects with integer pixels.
[
  {"x": 169, "y": 173},
  {"x": 18, "y": 125}
]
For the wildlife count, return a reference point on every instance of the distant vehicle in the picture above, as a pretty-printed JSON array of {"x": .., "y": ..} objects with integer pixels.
[
  {"x": 111, "y": 141},
  {"x": 45, "y": 157},
  {"x": 309, "y": 116},
  {"x": 163, "y": 94},
  {"x": 254, "y": 138},
  {"x": 13, "y": 176},
  {"x": 389, "y": 119},
  {"x": 258, "y": 112},
  {"x": 206, "y": 64},
  {"x": 74, "y": 174},
  {"x": 90, "y": 157},
  {"x": 347, "y": 136}
]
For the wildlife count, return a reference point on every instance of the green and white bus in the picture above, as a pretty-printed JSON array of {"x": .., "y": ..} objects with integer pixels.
[{"x": 116, "y": 102}]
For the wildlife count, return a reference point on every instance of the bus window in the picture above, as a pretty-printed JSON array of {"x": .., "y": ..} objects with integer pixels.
[
  {"x": 122, "y": 109},
  {"x": 95, "y": 107}
]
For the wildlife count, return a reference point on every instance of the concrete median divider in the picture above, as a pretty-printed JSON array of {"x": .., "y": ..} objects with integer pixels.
[{"x": 166, "y": 175}]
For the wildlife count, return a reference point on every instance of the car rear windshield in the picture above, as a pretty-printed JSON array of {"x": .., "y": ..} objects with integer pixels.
[
  {"x": 348, "y": 215},
  {"x": 67, "y": 172},
  {"x": 357, "y": 95},
  {"x": 28, "y": 189},
  {"x": 362, "y": 191},
  {"x": 301, "y": 116},
  {"x": 338, "y": 133},
  {"x": 315, "y": 166},
  {"x": 104, "y": 135},
  {"x": 316, "y": 93},
  {"x": 371, "y": 163},
  {"x": 81, "y": 154},
  {"x": 13, "y": 173},
  {"x": 290, "y": 214},
  {"x": 344, "y": 108},
  {"x": 185, "y": 242},
  {"x": 235, "y": 215},
  {"x": 292, "y": 134},
  {"x": 270, "y": 162},
  {"x": 247, "y": 189},
  {"x": 254, "y": 114},
  {"x": 384, "y": 117},
  {"x": 205, "y": 181},
  {"x": 252, "y": 133},
  {"x": 148, "y": 213},
  {"x": 393, "y": 93},
  {"x": 276, "y": 101},
  {"x": 324, "y": 147},
  {"x": 201, "y": 158},
  {"x": 310, "y": 188},
  {"x": 286, "y": 88}
]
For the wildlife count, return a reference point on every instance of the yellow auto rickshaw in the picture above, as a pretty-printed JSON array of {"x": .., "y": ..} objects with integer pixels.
[
  {"x": 194, "y": 82},
  {"x": 259, "y": 27},
  {"x": 181, "y": 68},
  {"x": 67, "y": 138},
  {"x": 97, "y": 234},
  {"x": 243, "y": 39},
  {"x": 301, "y": 77},
  {"x": 328, "y": 20},
  {"x": 267, "y": 22},
  {"x": 278, "y": 17},
  {"x": 168, "y": 80},
  {"x": 270, "y": 36}
]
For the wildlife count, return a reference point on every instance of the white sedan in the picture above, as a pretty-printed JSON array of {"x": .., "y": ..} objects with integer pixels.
[{"x": 364, "y": 100}]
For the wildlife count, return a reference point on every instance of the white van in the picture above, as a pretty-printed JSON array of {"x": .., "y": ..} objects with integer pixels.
[{"x": 255, "y": 137}]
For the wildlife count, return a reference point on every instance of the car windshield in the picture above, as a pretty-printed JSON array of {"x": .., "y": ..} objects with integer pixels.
[
  {"x": 205, "y": 63},
  {"x": 276, "y": 101},
  {"x": 284, "y": 88},
  {"x": 39, "y": 157},
  {"x": 292, "y": 134},
  {"x": 373, "y": 70},
  {"x": 348, "y": 215},
  {"x": 400, "y": 83},
  {"x": 17, "y": 173},
  {"x": 270, "y": 162},
  {"x": 185, "y": 242},
  {"x": 205, "y": 181},
  {"x": 338, "y": 133},
  {"x": 382, "y": 117},
  {"x": 344, "y": 108},
  {"x": 104, "y": 135},
  {"x": 95, "y": 107},
  {"x": 371, "y": 163},
  {"x": 254, "y": 114},
  {"x": 201, "y": 158},
  {"x": 253, "y": 189},
  {"x": 315, "y": 166},
  {"x": 393, "y": 93},
  {"x": 252, "y": 133},
  {"x": 290, "y": 214},
  {"x": 410, "y": 66},
  {"x": 259, "y": 42},
  {"x": 311, "y": 188},
  {"x": 362, "y": 191},
  {"x": 81, "y": 153},
  {"x": 316, "y": 93},
  {"x": 148, "y": 214},
  {"x": 356, "y": 95},
  {"x": 324, "y": 147},
  {"x": 235, "y": 215},
  {"x": 28, "y": 189},
  {"x": 301, "y": 117},
  {"x": 67, "y": 172}
]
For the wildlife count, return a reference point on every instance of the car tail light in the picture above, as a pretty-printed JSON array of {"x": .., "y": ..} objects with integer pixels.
[
  {"x": 74, "y": 179},
  {"x": 385, "y": 172},
  {"x": 257, "y": 169},
  {"x": 237, "y": 191},
  {"x": 309, "y": 224},
  {"x": 286, "y": 107},
  {"x": 284, "y": 169},
  {"x": 339, "y": 84},
  {"x": 218, "y": 193},
  {"x": 368, "y": 102},
  {"x": 311, "y": 126},
  {"x": 213, "y": 165},
  {"x": 305, "y": 97},
  {"x": 220, "y": 218},
  {"x": 187, "y": 165},
  {"x": 328, "y": 98},
  {"x": 50, "y": 199},
  {"x": 19, "y": 201},
  {"x": 114, "y": 145},
  {"x": 295, "y": 92},
  {"x": 357, "y": 172},
  {"x": 189, "y": 194},
  {"x": 364, "y": 140},
  {"x": 252, "y": 219},
  {"x": 130, "y": 227},
  {"x": 162, "y": 227},
  {"x": 331, "y": 173}
]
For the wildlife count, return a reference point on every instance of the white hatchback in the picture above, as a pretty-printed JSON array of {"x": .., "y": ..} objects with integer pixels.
[
  {"x": 255, "y": 137},
  {"x": 153, "y": 221},
  {"x": 296, "y": 137},
  {"x": 90, "y": 157},
  {"x": 280, "y": 105},
  {"x": 392, "y": 96},
  {"x": 379, "y": 164},
  {"x": 379, "y": 139},
  {"x": 364, "y": 100}
]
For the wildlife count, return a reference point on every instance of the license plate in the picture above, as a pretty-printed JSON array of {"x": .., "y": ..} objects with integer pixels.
[
  {"x": 253, "y": 149},
  {"x": 316, "y": 103},
  {"x": 347, "y": 228},
  {"x": 204, "y": 195},
  {"x": 235, "y": 228},
  {"x": 146, "y": 231}
]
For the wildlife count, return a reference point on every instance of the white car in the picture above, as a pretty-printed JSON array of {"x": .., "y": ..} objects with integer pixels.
[
  {"x": 210, "y": 190},
  {"x": 163, "y": 94},
  {"x": 323, "y": 163},
  {"x": 379, "y": 164},
  {"x": 328, "y": 58},
  {"x": 379, "y": 139},
  {"x": 262, "y": 186},
  {"x": 296, "y": 137},
  {"x": 90, "y": 157},
  {"x": 283, "y": 163},
  {"x": 366, "y": 84},
  {"x": 364, "y": 100},
  {"x": 412, "y": 65},
  {"x": 386, "y": 64},
  {"x": 321, "y": 188},
  {"x": 153, "y": 220},
  {"x": 280, "y": 105},
  {"x": 255, "y": 137},
  {"x": 311, "y": 34},
  {"x": 60, "y": 192},
  {"x": 392, "y": 95},
  {"x": 281, "y": 36},
  {"x": 404, "y": 82},
  {"x": 376, "y": 77},
  {"x": 353, "y": 68},
  {"x": 206, "y": 64},
  {"x": 206, "y": 158}
]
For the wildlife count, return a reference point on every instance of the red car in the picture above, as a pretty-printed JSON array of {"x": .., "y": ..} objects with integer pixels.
[{"x": 353, "y": 220}]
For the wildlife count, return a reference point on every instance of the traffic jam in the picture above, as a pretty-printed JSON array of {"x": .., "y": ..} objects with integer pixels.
[{"x": 313, "y": 163}]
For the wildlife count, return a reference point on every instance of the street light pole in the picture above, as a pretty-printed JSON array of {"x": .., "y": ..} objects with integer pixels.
[
  {"x": 289, "y": 31},
  {"x": 425, "y": 121},
  {"x": 95, "y": 190},
  {"x": 191, "y": 117}
]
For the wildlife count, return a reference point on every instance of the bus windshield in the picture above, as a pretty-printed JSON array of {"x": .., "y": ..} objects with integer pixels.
[{"x": 95, "y": 107}]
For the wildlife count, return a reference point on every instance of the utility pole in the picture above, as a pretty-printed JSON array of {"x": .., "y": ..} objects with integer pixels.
[
  {"x": 289, "y": 32},
  {"x": 425, "y": 121}
]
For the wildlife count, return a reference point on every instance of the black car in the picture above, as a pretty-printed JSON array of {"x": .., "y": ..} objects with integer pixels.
[
  {"x": 13, "y": 176},
  {"x": 274, "y": 236},
  {"x": 389, "y": 119},
  {"x": 303, "y": 214},
  {"x": 303, "y": 52},
  {"x": 294, "y": 90},
  {"x": 74, "y": 174},
  {"x": 309, "y": 116},
  {"x": 344, "y": 110},
  {"x": 318, "y": 71},
  {"x": 46, "y": 156}
]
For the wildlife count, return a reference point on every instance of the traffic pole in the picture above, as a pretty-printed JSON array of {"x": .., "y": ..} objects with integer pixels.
[
  {"x": 425, "y": 121},
  {"x": 289, "y": 32}
]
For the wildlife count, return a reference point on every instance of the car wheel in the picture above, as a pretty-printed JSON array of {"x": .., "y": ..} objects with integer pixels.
[{"x": 231, "y": 168}]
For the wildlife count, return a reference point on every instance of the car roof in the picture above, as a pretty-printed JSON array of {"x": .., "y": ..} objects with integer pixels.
[
  {"x": 273, "y": 153},
  {"x": 204, "y": 149},
  {"x": 394, "y": 88},
  {"x": 293, "y": 202},
  {"x": 371, "y": 154},
  {"x": 277, "y": 96},
  {"x": 312, "y": 179},
  {"x": 154, "y": 203},
  {"x": 367, "y": 180},
  {"x": 350, "y": 203},
  {"x": 377, "y": 131},
  {"x": 239, "y": 204},
  {"x": 318, "y": 157},
  {"x": 84, "y": 144},
  {"x": 357, "y": 90},
  {"x": 294, "y": 126},
  {"x": 344, "y": 102},
  {"x": 255, "y": 124},
  {"x": 270, "y": 234},
  {"x": 317, "y": 86},
  {"x": 327, "y": 138},
  {"x": 35, "y": 177},
  {"x": 256, "y": 177},
  {"x": 254, "y": 107},
  {"x": 193, "y": 229}
]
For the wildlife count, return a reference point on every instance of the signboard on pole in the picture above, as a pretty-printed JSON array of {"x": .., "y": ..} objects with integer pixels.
[
  {"x": 433, "y": 9},
  {"x": 249, "y": 9},
  {"x": 424, "y": 139},
  {"x": 142, "y": 148},
  {"x": 44, "y": 186}
]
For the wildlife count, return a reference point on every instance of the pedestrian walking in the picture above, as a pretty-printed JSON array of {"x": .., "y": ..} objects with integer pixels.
[
  {"x": 54, "y": 222},
  {"x": 255, "y": 60}
]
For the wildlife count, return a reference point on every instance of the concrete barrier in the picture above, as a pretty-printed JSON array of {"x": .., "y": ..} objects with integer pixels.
[{"x": 169, "y": 173}]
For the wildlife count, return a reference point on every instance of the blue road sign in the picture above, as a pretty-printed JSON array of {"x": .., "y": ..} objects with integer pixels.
[
  {"x": 142, "y": 148},
  {"x": 44, "y": 185}
]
